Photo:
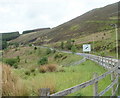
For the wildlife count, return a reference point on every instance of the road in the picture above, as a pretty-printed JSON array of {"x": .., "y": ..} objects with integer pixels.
[{"x": 106, "y": 62}]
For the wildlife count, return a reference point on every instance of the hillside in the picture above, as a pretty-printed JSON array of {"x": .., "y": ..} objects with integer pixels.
[
  {"x": 93, "y": 21},
  {"x": 30, "y": 37},
  {"x": 9, "y": 36},
  {"x": 93, "y": 27},
  {"x": 35, "y": 30}
]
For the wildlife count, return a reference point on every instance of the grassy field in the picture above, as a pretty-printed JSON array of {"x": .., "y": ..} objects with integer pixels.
[
  {"x": 71, "y": 76},
  {"x": 62, "y": 78}
]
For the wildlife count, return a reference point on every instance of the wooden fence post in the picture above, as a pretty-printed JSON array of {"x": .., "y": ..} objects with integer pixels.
[
  {"x": 112, "y": 79},
  {"x": 119, "y": 84},
  {"x": 99, "y": 60},
  {"x": 44, "y": 92},
  {"x": 95, "y": 86}
]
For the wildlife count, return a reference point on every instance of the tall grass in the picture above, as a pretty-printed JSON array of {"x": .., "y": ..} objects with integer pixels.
[
  {"x": 45, "y": 82},
  {"x": 12, "y": 85}
]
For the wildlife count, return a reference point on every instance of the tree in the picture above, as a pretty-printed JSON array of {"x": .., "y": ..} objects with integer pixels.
[
  {"x": 73, "y": 41},
  {"x": 73, "y": 49},
  {"x": 4, "y": 45},
  {"x": 62, "y": 45},
  {"x": 43, "y": 60},
  {"x": 18, "y": 58},
  {"x": 68, "y": 44},
  {"x": 30, "y": 45},
  {"x": 12, "y": 62},
  {"x": 48, "y": 51},
  {"x": 16, "y": 44},
  {"x": 35, "y": 48}
]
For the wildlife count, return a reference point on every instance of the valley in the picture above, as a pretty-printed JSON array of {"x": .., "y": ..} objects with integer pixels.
[
  {"x": 50, "y": 57},
  {"x": 60, "y": 76}
]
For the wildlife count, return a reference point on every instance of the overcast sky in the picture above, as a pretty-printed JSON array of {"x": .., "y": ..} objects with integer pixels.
[{"x": 19, "y": 15}]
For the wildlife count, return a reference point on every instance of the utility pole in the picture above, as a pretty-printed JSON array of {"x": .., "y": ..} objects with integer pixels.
[
  {"x": 116, "y": 30},
  {"x": 93, "y": 44}
]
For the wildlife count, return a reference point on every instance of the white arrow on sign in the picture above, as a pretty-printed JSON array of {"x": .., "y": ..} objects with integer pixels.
[{"x": 86, "y": 48}]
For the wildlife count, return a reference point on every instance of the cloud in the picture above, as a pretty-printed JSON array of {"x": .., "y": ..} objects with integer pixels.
[{"x": 19, "y": 15}]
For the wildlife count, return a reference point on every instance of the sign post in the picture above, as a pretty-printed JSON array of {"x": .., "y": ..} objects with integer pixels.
[{"x": 86, "y": 48}]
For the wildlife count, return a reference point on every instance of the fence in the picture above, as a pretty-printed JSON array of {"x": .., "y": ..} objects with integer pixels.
[
  {"x": 76, "y": 63},
  {"x": 108, "y": 63}
]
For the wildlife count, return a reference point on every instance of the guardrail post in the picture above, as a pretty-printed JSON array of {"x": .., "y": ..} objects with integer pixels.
[
  {"x": 99, "y": 60},
  {"x": 44, "y": 91},
  {"x": 110, "y": 64},
  {"x": 95, "y": 86},
  {"x": 112, "y": 79}
]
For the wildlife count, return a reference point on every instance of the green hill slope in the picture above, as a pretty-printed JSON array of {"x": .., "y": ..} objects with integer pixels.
[
  {"x": 93, "y": 21},
  {"x": 93, "y": 27}
]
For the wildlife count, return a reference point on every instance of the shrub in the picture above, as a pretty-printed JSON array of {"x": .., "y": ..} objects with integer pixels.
[
  {"x": 52, "y": 67},
  {"x": 16, "y": 45},
  {"x": 62, "y": 45},
  {"x": 54, "y": 51},
  {"x": 58, "y": 56},
  {"x": 69, "y": 44},
  {"x": 102, "y": 54},
  {"x": 35, "y": 48},
  {"x": 16, "y": 49},
  {"x": 30, "y": 45},
  {"x": 12, "y": 62},
  {"x": 43, "y": 69},
  {"x": 43, "y": 61},
  {"x": 30, "y": 52},
  {"x": 73, "y": 49},
  {"x": 73, "y": 41},
  {"x": 32, "y": 69},
  {"x": 48, "y": 51},
  {"x": 27, "y": 73},
  {"x": 18, "y": 58},
  {"x": 25, "y": 60},
  {"x": 48, "y": 68}
]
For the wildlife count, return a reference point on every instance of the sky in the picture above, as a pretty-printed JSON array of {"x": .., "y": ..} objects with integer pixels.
[{"x": 20, "y": 15}]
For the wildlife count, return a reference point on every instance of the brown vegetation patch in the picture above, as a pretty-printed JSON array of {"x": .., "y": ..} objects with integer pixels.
[
  {"x": 12, "y": 85},
  {"x": 48, "y": 68}
]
